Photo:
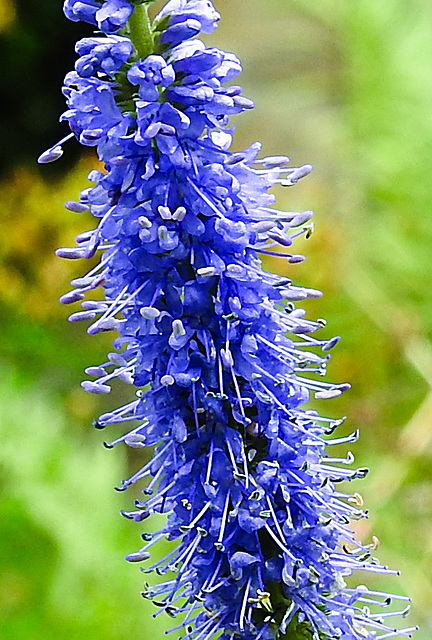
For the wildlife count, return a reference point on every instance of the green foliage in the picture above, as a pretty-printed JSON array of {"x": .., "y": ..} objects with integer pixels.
[{"x": 62, "y": 537}]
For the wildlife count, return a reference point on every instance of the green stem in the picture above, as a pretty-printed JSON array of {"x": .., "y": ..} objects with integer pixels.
[{"x": 140, "y": 31}]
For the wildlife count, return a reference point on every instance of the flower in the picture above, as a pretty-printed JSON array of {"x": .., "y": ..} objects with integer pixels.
[
  {"x": 109, "y": 16},
  {"x": 77, "y": 10},
  {"x": 217, "y": 347},
  {"x": 102, "y": 55}
]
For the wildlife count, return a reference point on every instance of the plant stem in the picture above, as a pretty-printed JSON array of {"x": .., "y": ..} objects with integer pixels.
[{"x": 140, "y": 31}]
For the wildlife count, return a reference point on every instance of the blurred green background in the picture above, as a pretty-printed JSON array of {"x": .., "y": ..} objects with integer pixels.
[{"x": 343, "y": 84}]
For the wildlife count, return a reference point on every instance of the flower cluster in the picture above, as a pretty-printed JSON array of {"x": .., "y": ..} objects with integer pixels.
[
  {"x": 109, "y": 16},
  {"x": 223, "y": 359}
]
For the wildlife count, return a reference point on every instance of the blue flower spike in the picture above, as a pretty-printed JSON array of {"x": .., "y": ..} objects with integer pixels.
[{"x": 222, "y": 359}]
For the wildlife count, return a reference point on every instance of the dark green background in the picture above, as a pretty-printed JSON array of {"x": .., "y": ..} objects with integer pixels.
[{"x": 345, "y": 85}]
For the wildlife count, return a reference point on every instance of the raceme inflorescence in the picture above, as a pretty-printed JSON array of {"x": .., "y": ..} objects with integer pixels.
[{"x": 223, "y": 359}]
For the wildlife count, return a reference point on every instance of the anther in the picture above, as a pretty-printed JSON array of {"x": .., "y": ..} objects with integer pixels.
[
  {"x": 179, "y": 214},
  {"x": 330, "y": 343},
  {"x": 163, "y": 233},
  {"x": 149, "y": 313},
  {"x": 76, "y": 207},
  {"x": 227, "y": 358},
  {"x": 262, "y": 227},
  {"x": 280, "y": 238},
  {"x": 309, "y": 230},
  {"x": 271, "y": 162},
  {"x": 235, "y": 158},
  {"x": 138, "y": 556},
  {"x": 50, "y": 156},
  {"x": 206, "y": 272},
  {"x": 328, "y": 393},
  {"x": 243, "y": 103},
  {"x": 70, "y": 253},
  {"x": 92, "y": 305},
  {"x": 144, "y": 222},
  {"x": 95, "y": 371},
  {"x": 94, "y": 387},
  {"x": 357, "y": 499},
  {"x": 92, "y": 134},
  {"x": 299, "y": 173},
  {"x": 107, "y": 324},
  {"x": 56, "y": 152},
  {"x": 81, "y": 316},
  {"x": 375, "y": 543},
  {"x": 71, "y": 296},
  {"x": 165, "y": 213},
  {"x": 235, "y": 269},
  {"x": 294, "y": 259},
  {"x": 178, "y": 328},
  {"x": 301, "y": 218},
  {"x": 233, "y": 90},
  {"x": 117, "y": 359}
]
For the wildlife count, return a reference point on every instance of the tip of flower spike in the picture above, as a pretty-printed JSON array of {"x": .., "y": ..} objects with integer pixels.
[{"x": 50, "y": 156}]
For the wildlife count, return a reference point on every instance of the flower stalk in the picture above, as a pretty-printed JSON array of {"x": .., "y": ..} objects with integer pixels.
[
  {"x": 222, "y": 359},
  {"x": 140, "y": 31}
]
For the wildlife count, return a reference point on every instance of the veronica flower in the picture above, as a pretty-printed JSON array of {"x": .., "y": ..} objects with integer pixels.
[{"x": 222, "y": 358}]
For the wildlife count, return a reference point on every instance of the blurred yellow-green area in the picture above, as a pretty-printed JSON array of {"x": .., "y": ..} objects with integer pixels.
[{"x": 343, "y": 84}]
